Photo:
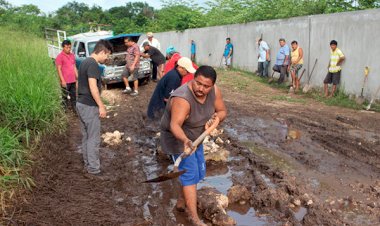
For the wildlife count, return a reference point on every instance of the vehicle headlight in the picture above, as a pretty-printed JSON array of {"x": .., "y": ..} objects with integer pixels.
[
  {"x": 109, "y": 71},
  {"x": 145, "y": 65}
]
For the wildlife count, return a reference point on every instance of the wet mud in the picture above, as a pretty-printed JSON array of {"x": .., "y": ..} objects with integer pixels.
[{"x": 328, "y": 174}]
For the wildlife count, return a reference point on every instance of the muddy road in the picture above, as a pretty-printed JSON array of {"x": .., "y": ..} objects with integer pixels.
[{"x": 300, "y": 161}]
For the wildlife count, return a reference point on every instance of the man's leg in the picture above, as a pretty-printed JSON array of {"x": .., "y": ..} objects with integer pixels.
[
  {"x": 282, "y": 74},
  {"x": 326, "y": 89},
  {"x": 260, "y": 69},
  {"x": 266, "y": 65},
  {"x": 125, "y": 74},
  {"x": 135, "y": 77},
  {"x": 71, "y": 87},
  {"x": 81, "y": 114},
  {"x": 333, "y": 90},
  {"x": 335, "y": 81},
  {"x": 160, "y": 69},
  {"x": 276, "y": 68},
  {"x": 154, "y": 71},
  {"x": 190, "y": 195},
  {"x": 136, "y": 85},
  {"x": 92, "y": 123},
  {"x": 293, "y": 74},
  {"x": 65, "y": 101},
  {"x": 328, "y": 79},
  {"x": 229, "y": 61},
  {"x": 195, "y": 171}
]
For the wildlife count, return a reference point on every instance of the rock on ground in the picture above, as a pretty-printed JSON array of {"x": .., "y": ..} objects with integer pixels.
[
  {"x": 212, "y": 205},
  {"x": 238, "y": 194},
  {"x": 112, "y": 138}
]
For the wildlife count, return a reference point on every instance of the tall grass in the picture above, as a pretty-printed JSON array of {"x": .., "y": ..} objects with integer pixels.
[{"x": 30, "y": 103}]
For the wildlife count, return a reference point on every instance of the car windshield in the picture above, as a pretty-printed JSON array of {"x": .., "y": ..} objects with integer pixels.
[{"x": 91, "y": 46}]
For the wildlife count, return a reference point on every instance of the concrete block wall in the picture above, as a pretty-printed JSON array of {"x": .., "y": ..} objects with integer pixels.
[{"x": 357, "y": 34}]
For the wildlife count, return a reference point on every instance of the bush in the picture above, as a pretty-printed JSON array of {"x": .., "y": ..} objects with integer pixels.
[{"x": 30, "y": 102}]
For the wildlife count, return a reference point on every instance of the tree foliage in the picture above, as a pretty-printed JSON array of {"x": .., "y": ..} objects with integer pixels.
[{"x": 77, "y": 17}]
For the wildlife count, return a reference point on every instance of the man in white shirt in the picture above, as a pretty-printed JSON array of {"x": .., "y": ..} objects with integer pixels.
[
  {"x": 155, "y": 43},
  {"x": 263, "y": 58}
]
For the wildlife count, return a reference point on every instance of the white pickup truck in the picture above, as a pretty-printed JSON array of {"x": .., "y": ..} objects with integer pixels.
[{"x": 83, "y": 45}]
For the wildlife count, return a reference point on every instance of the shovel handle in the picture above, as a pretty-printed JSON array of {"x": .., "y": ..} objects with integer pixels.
[
  {"x": 302, "y": 74},
  {"x": 197, "y": 142}
]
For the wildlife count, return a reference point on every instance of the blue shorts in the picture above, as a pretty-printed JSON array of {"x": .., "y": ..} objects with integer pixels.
[{"x": 195, "y": 166}]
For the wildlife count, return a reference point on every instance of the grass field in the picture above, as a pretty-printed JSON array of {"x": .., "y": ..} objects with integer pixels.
[
  {"x": 30, "y": 104},
  {"x": 340, "y": 99}
]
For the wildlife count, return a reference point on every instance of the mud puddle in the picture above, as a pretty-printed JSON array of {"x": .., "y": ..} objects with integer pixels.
[{"x": 220, "y": 177}]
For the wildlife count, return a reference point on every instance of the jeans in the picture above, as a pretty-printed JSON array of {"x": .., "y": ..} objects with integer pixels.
[
  {"x": 154, "y": 71},
  {"x": 282, "y": 69},
  {"x": 90, "y": 128},
  {"x": 69, "y": 90},
  {"x": 263, "y": 68}
]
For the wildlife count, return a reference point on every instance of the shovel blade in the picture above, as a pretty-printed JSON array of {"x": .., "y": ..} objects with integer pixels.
[
  {"x": 306, "y": 88},
  {"x": 166, "y": 177}
]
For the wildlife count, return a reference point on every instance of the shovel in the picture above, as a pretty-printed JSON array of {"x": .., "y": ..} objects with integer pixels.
[
  {"x": 307, "y": 87},
  {"x": 175, "y": 173},
  {"x": 360, "y": 100},
  {"x": 373, "y": 98}
]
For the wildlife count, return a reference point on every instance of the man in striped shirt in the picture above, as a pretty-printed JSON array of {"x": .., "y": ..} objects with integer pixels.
[{"x": 334, "y": 67}]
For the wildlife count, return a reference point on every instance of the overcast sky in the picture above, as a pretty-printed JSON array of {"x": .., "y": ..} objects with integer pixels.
[{"x": 48, "y": 6}]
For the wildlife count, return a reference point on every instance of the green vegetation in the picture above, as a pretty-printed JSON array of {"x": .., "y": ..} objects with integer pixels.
[
  {"x": 76, "y": 17},
  {"x": 275, "y": 159},
  {"x": 30, "y": 103},
  {"x": 288, "y": 99}
]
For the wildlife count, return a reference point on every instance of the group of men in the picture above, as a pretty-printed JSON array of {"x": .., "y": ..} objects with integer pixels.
[
  {"x": 291, "y": 61},
  {"x": 186, "y": 98}
]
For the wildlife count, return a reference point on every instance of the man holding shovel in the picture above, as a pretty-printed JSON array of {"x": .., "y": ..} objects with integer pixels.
[
  {"x": 333, "y": 75},
  {"x": 191, "y": 109}
]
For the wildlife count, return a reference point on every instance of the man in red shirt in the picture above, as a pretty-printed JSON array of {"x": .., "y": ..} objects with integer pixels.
[
  {"x": 68, "y": 73},
  {"x": 172, "y": 57}
]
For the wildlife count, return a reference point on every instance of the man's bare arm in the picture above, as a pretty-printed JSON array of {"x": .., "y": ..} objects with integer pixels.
[
  {"x": 59, "y": 70},
  {"x": 220, "y": 107},
  {"x": 92, "y": 82},
  {"x": 180, "y": 109}
]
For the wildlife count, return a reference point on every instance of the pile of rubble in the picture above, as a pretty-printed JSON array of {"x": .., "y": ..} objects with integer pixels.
[
  {"x": 213, "y": 204},
  {"x": 212, "y": 147},
  {"x": 114, "y": 138}
]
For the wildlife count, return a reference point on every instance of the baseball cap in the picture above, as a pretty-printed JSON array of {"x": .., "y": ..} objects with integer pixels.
[
  {"x": 187, "y": 64},
  {"x": 170, "y": 50},
  {"x": 149, "y": 34}
]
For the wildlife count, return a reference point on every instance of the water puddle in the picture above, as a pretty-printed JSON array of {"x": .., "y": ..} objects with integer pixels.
[
  {"x": 248, "y": 217},
  {"x": 221, "y": 182},
  {"x": 242, "y": 214},
  {"x": 266, "y": 132},
  {"x": 299, "y": 213}
]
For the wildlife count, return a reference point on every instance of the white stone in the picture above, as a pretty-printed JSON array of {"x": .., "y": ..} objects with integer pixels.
[{"x": 219, "y": 141}]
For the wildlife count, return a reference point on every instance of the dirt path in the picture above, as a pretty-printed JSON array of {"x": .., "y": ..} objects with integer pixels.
[{"x": 333, "y": 168}]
